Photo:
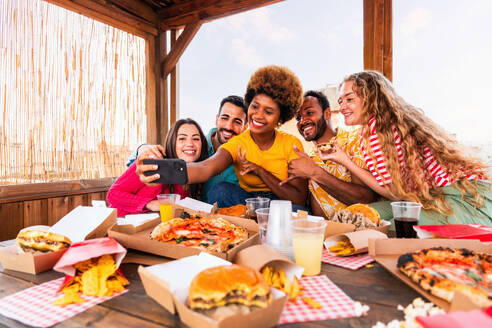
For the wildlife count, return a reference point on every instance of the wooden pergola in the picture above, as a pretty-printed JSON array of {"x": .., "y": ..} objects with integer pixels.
[{"x": 160, "y": 22}]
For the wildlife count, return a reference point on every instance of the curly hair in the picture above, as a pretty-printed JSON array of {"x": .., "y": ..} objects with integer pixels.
[
  {"x": 170, "y": 144},
  {"x": 416, "y": 131},
  {"x": 279, "y": 83}
]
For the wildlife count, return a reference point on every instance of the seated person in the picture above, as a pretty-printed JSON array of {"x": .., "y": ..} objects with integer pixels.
[
  {"x": 229, "y": 122},
  {"x": 129, "y": 195},
  {"x": 410, "y": 157},
  {"x": 261, "y": 154},
  {"x": 331, "y": 185}
]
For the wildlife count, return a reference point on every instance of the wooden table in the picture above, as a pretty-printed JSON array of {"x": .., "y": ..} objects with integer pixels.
[{"x": 374, "y": 286}]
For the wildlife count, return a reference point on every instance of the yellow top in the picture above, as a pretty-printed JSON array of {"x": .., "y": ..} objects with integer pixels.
[
  {"x": 275, "y": 159},
  {"x": 348, "y": 141}
]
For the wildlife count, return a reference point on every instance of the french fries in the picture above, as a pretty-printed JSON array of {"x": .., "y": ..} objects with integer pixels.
[
  {"x": 278, "y": 279},
  {"x": 343, "y": 247}
]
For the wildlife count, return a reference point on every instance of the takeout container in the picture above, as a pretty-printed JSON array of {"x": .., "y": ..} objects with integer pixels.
[
  {"x": 83, "y": 222},
  {"x": 141, "y": 240},
  {"x": 387, "y": 251},
  {"x": 359, "y": 239},
  {"x": 455, "y": 231},
  {"x": 335, "y": 228},
  {"x": 174, "y": 301},
  {"x": 132, "y": 228}
]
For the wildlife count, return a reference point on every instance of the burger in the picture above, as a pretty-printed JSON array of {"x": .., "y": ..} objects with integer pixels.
[
  {"x": 326, "y": 146},
  {"x": 41, "y": 241},
  {"x": 228, "y": 284}
]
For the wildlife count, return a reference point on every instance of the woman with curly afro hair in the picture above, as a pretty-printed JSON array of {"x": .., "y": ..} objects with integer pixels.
[
  {"x": 261, "y": 154},
  {"x": 410, "y": 157}
]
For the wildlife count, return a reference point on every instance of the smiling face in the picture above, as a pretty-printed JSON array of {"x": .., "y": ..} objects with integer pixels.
[
  {"x": 311, "y": 121},
  {"x": 188, "y": 143},
  {"x": 230, "y": 122},
  {"x": 263, "y": 114},
  {"x": 351, "y": 104}
]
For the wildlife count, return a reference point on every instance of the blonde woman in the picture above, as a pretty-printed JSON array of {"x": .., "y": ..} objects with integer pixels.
[{"x": 410, "y": 157}]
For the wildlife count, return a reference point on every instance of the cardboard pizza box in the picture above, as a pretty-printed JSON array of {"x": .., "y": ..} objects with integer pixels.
[
  {"x": 141, "y": 240},
  {"x": 169, "y": 288},
  {"x": 359, "y": 239},
  {"x": 134, "y": 223},
  {"x": 82, "y": 223},
  {"x": 387, "y": 251}
]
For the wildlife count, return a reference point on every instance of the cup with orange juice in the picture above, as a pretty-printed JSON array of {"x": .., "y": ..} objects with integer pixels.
[
  {"x": 307, "y": 241},
  {"x": 166, "y": 202}
]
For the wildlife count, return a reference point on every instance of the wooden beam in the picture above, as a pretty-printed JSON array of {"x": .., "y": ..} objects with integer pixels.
[
  {"x": 174, "y": 86},
  {"x": 179, "y": 47},
  {"x": 150, "y": 90},
  {"x": 137, "y": 8},
  {"x": 183, "y": 13},
  {"x": 109, "y": 15},
  {"x": 378, "y": 41},
  {"x": 163, "y": 108}
]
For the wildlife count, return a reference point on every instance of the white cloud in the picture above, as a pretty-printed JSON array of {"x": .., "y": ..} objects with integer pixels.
[
  {"x": 258, "y": 24},
  {"x": 418, "y": 19},
  {"x": 244, "y": 54}
]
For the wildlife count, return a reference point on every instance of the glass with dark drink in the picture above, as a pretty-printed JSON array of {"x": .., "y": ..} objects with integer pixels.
[
  {"x": 252, "y": 204},
  {"x": 406, "y": 215}
]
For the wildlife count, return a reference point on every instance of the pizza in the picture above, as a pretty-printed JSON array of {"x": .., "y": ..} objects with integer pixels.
[
  {"x": 208, "y": 234},
  {"x": 442, "y": 271}
]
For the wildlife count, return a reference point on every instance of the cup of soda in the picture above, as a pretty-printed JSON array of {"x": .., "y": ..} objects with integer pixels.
[{"x": 406, "y": 215}]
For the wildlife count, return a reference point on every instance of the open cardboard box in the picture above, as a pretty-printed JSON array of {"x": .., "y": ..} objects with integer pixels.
[
  {"x": 83, "y": 222},
  {"x": 387, "y": 251},
  {"x": 359, "y": 239},
  {"x": 139, "y": 226},
  {"x": 336, "y": 228},
  {"x": 153, "y": 280},
  {"x": 141, "y": 240}
]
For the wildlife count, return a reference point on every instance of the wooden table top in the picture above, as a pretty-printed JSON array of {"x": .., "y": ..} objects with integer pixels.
[{"x": 374, "y": 286}]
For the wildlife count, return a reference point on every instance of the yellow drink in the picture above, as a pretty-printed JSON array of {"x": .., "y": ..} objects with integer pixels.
[
  {"x": 307, "y": 251},
  {"x": 166, "y": 212}
]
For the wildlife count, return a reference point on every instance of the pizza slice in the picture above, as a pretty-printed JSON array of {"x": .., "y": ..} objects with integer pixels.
[{"x": 442, "y": 271}]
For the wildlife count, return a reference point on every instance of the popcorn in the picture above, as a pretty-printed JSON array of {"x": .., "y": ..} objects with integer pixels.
[
  {"x": 360, "y": 309},
  {"x": 418, "y": 307}
]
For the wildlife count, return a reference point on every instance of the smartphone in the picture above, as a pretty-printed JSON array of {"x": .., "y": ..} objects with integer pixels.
[{"x": 171, "y": 170}]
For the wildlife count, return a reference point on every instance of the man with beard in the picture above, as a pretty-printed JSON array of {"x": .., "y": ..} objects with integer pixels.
[
  {"x": 331, "y": 185},
  {"x": 230, "y": 121}
]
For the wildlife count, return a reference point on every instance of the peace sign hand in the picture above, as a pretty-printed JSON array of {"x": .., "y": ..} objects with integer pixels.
[{"x": 246, "y": 166}]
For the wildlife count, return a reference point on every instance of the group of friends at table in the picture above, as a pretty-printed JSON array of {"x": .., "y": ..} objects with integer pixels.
[{"x": 395, "y": 153}]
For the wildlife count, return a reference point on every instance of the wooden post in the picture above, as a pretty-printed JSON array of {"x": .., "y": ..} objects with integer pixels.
[
  {"x": 174, "y": 83},
  {"x": 150, "y": 89},
  {"x": 378, "y": 39},
  {"x": 163, "y": 109}
]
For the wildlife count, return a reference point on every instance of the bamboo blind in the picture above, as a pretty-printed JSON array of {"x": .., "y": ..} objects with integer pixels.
[{"x": 72, "y": 94}]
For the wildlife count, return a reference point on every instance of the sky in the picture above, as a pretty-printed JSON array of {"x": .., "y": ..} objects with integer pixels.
[{"x": 441, "y": 56}]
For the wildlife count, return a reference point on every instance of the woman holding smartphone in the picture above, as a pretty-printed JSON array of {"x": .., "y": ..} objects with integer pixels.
[
  {"x": 129, "y": 195},
  {"x": 261, "y": 154},
  {"x": 410, "y": 157}
]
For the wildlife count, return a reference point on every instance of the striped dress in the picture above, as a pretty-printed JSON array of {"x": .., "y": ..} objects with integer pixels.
[{"x": 379, "y": 169}]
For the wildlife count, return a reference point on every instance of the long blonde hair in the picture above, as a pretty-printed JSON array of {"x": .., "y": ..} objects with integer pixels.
[{"x": 416, "y": 131}]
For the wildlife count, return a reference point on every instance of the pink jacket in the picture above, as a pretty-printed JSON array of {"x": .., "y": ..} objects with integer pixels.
[{"x": 129, "y": 195}]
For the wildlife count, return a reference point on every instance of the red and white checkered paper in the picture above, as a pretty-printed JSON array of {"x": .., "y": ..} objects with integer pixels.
[
  {"x": 349, "y": 262},
  {"x": 33, "y": 306},
  {"x": 335, "y": 303}
]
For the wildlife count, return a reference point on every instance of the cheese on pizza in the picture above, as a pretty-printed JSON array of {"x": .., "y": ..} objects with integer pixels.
[
  {"x": 209, "y": 234},
  {"x": 442, "y": 271}
]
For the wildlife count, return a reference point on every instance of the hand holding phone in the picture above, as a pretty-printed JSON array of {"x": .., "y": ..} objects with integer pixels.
[{"x": 170, "y": 170}]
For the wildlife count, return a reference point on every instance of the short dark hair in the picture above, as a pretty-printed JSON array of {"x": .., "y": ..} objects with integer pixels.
[
  {"x": 235, "y": 100},
  {"x": 322, "y": 99}
]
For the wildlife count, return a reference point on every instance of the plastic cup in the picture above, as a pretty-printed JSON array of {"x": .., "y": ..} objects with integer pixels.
[
  {"x": 279, "y": 232},
  {"x": 166, "y": 202},
  {"x": 262, "y": 216},
  {"x": 252, "y": 204},
  {"x": 307, "y": 239},
  {"x": 406, "y": 215}
]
